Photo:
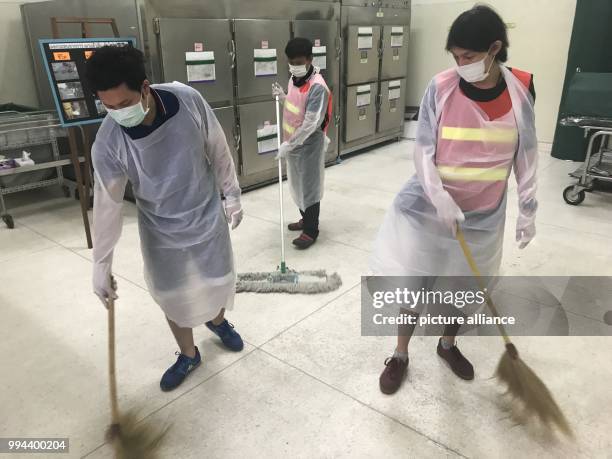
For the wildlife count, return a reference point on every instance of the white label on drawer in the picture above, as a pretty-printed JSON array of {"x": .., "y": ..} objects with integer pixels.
[
  {"x": 397, "y": 37},
  {"x": 265, "y": 62},
  {"x": 364, "y": 95},
  {"x": 364, "y": 38},
  {"x": 395, "y": 89},
  {"x": 267, "y": 138},
  {"x": 395, "y": 93},
  {"x": 200, "y": 66},
  {"x": 319, "y": 57}
]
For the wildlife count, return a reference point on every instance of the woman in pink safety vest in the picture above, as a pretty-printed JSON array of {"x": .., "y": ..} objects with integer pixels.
[
  {"x": 476, "y": 125},
  {"x": 306, "y": 115}
]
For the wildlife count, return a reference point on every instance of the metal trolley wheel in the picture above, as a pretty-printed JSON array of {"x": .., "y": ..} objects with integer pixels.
[
  {"x": 8, "y": 220},
  {"x": 572, "y": 197}
]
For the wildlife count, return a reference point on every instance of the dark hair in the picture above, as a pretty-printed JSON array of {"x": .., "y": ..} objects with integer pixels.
[
  {"x": 298, "y": 47},
  {"x": 110, "y": 66},
  {"x": 477, "y": 29}
]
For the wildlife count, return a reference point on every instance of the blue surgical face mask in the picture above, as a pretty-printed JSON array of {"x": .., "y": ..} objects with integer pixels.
[{"x": 129, "y": 116}]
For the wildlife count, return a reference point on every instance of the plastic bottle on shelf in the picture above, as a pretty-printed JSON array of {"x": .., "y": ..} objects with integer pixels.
[{"x": 25, "y": 159}]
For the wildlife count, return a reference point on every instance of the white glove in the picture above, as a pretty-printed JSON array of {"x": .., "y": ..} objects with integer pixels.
[
  {"x": 277, "y": 90},
  {"x": 451, "y": 215},
  {"x": 283, "y": 152},
  {"x": 233, "y": 211},
  {"x": 104, "y": 283},
  {"x": 525, "y": 234}
]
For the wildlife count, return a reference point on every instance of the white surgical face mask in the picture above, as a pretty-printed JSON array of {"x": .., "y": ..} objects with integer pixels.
[
  {"x": 475, "y": 72},
  {"x": 129, "y": 116},
  {"x": 298, "y": 71}
]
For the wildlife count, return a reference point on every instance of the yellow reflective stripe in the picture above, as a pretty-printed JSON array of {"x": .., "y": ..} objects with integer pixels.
[
  {"x": 287, "y": 127},
  {"x": 292, "y": 108},
  {"x": 475, "y": 174},
  {"x": 480, "y": 135}
]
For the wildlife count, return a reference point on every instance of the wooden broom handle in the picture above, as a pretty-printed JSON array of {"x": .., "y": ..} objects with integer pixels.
[
  {"x": 111, "y": 362},
  {"x": 470, "y": 259}
]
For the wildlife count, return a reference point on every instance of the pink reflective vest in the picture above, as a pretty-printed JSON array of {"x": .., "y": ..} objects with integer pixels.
[
  {"x": 295, "y": 105},
  {"x": 474, "y": 156}
]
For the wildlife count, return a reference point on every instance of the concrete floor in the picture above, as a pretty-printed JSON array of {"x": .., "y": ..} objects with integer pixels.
[{"x": 306, "y": 384}]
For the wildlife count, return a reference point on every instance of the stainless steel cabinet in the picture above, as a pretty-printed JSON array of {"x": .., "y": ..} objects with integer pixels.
[
  {"x": 325, "y": 34},
  {"x": 226, "y": 118},
  {"x": 255, "y": 119},
  {"x": 212, "y": 38},
  {"x": 392, "y": 95},
  {"x": 255, "y": 41},
  {"x": 165, "y": 31},
  {"x": 360, "y": 111},
  {"x": 394, "y": 52},
  {"x": 362, "y": 54}
]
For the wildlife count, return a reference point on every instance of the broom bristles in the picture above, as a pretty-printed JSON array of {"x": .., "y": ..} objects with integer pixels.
[
  {"x": 524, "y": 385},
  {"x": 134, "y": 440}
]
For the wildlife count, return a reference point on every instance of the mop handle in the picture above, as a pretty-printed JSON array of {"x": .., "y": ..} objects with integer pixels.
[
  {"x": 280, "y": 187},
  {"x": 112, "y": 377},
  {"x": 470, "y": 259}
]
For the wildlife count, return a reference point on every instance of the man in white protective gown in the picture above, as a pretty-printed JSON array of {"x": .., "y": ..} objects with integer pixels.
[
  {"x": 166, "y": 141},
  {"x": 476, "y": 126},
  {"x": 307, "y": 112}
]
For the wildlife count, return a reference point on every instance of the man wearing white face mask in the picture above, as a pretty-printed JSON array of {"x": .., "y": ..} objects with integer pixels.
[
  {"x": 165, "y": 140},
  {"x": 476, "y": 125},
  {"x": 306, "y": 116}
]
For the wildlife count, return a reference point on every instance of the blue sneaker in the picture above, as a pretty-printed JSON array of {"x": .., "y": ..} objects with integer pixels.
[
  {"x": 230, "y": 337},
  {"x": 176, "y": 374}
]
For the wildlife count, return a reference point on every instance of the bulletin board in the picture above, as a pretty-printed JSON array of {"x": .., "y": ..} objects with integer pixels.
[{"x": 64, "y": 61}]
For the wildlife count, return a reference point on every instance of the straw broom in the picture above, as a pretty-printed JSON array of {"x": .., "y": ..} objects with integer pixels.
[
  {"x": 523, "y": 384},
  {"x": 129, "y": 438}
]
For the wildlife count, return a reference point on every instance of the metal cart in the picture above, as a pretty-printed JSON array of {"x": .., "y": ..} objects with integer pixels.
[
  {"x": 20, "y": 131},
  {"x": 597, "y": 166}
]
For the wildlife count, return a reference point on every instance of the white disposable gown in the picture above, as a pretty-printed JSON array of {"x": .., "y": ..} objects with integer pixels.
[
  {"x": 306, "y": 157},
  {"x": 176, "y": 173}
]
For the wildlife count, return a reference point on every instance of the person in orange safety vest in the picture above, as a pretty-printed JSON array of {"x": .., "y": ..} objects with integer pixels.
[{"x": 306, "y": 117}]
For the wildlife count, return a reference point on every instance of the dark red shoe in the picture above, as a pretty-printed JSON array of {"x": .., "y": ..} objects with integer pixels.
[
  {"x": 456, "y": 361},
  {"x": 393, "y": 375},
  {"x": 304, "y": 241},
  {"x": 299, "y": 226}
]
